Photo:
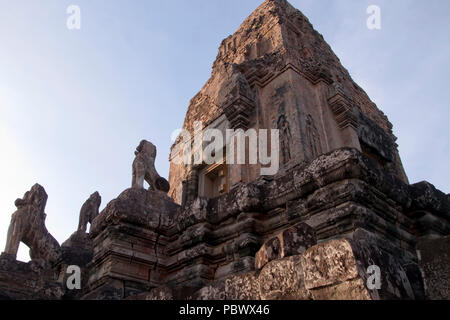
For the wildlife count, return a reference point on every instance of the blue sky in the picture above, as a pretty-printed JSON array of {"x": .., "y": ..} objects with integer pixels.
[{"x": 75, "y": 104}]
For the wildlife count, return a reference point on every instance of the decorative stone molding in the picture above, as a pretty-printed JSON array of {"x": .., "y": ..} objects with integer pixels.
[
  {"x": 315, "y": 72},
  {"x": 342, "y": 107},
  {"x": 239, "y": 102},
  {"x": 238, "y": 112}
]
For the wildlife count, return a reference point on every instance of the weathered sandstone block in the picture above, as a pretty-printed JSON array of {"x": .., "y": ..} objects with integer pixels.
[
  {"x": 238, "y": 287},
  {"x": 368, "y": 251},
  {"x": 292, "y": 241},
  {"x": 159, "y": 294},
  {"x": 242, "y": 287},
  {"x": 328, "y": 264},
  {"x": 283, "y": 280},
  {"x": 137, "y": 206},
  {"x": 270, "y": 251}
]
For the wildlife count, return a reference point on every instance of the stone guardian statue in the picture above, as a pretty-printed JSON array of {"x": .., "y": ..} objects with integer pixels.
[
  {"x": 28, "y": 226},
  {"x": 144, "y": 169},
  {"x": 89, "y": 211}
]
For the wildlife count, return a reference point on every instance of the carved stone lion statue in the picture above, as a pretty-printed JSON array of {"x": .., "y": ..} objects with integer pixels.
[
  {"x": 28, "y": 225},
  {"x": 89, "y": 211},
  {"x": 144, "y": 169}
]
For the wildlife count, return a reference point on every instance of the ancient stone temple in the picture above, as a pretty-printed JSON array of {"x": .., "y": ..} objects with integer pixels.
[{"x": 337, "y": 219}]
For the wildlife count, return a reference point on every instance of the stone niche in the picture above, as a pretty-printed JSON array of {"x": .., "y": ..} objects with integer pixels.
[{"x": 214, "y": 181}]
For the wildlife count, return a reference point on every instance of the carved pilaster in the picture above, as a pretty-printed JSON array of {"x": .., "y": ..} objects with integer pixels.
[{"x": 192, "y": 185}]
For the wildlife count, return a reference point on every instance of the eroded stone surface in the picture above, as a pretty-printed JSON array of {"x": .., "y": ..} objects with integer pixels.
[
  {"x": 242, "y": 287},
  {"x": 394, "y": 279},
  {"x": 434, "y": 260},
  {"x": 283, "y": 280},
  {"x": 139, "y": 206},
  {"x": 329, "y": 263},
  {"x": 158, "y": 294},
  {"x": 326, "y": 271},
  {"x": 270, "y": 251},
  {"x": 292, "y": 241},
  {"x": 238, "y": 287},
  {"x": 354, "y": 289}
]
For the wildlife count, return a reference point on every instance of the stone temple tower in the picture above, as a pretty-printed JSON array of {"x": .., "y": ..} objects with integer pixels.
[
  {"x": 337, "y": 220},
  {"x": 340, "y": 169},
  {"x": 277, "y": 72}
]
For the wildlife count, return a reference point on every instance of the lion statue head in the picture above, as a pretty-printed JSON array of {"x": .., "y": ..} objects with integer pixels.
[{"x": 146, "y": 148}]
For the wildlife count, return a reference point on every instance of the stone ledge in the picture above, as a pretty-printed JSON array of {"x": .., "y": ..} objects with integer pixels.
[{"x": 152, "y": 209}]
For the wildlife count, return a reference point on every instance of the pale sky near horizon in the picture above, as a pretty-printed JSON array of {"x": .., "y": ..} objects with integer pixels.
[{"x": 75, "y": 104}]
